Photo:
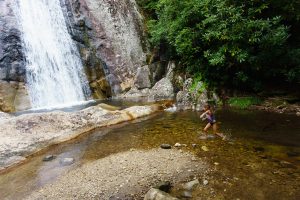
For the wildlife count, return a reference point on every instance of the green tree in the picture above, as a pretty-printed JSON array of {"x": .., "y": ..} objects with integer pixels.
[{"x": 231, "y": 43}]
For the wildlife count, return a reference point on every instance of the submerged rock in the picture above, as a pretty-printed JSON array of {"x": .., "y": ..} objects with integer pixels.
[
  {"x": 67, "y": 161},
  {"x": 293, "y": 154},
  {"x": 165, "y": 146},
  {"x": 207, "y": 137},
  {"x": 187, "y": 194},
  {"x": 204, "y": 148},
  {"x": 286, "y": 164},
  {"x": 48, "y": 158},
  {"x": 155, "y": 194}
]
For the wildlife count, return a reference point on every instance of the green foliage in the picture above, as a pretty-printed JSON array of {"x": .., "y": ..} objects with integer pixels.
[
  {"x": 244, "y": 102},
  {"x": 231, "y": 43},
  {"x": 197, "y": 86}
]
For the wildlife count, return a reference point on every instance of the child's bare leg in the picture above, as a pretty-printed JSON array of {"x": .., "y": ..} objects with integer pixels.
[
  {"x": 207, "y": 127},
  {"x": 215, "y": 128}
]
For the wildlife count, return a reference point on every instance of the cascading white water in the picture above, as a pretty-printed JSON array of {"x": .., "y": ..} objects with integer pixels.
[{"x": 55, "y": 74}]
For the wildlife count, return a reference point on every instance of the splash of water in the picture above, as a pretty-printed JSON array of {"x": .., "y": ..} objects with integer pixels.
[{"x": 55, "y": 73}]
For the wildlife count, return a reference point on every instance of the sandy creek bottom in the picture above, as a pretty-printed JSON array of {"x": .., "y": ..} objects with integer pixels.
[{"x": 260, "y": 161}]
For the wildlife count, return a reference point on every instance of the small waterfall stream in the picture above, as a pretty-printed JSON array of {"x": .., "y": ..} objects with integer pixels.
[{"x": 55, "y": 75}]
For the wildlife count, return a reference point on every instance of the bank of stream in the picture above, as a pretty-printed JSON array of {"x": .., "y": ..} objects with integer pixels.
[{"x": 261, "y": 159}]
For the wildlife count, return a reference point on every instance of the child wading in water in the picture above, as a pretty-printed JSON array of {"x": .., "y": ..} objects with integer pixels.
[{"x": 209, "y": 115}]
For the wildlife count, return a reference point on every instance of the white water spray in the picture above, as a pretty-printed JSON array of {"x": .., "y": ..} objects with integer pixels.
[{"x": 55, "y": 74}]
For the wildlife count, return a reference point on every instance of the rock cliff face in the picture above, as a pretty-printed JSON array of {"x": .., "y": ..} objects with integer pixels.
[
  {"x": 11, "y": 57},
  {"x": 108, "y": 33},
  {"x": 13, "y": 94},
  {"x": 111, "y": 31}
]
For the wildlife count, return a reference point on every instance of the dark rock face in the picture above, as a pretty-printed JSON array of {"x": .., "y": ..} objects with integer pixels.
[
  {"x": 164, "y": 186},
  {"x": 11, "y": 57},
  {"x": 81, "y": 31},
  {"x": 13, "y": 93}
]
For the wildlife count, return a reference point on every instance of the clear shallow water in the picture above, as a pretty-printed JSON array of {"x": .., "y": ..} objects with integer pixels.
[{"x": 257, "y": 138}]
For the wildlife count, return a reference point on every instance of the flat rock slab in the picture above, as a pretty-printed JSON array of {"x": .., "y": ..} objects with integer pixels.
[{"x": 24, "y": 135}]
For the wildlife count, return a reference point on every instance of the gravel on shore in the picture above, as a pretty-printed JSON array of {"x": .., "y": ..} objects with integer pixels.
[{"x": 126, "y": 175}]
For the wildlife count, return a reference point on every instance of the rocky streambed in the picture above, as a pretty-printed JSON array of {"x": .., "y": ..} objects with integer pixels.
[{"x": 126, "y": 161}]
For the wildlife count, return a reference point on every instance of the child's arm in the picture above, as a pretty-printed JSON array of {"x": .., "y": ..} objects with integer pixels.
[{"x": 203, "y": 114}]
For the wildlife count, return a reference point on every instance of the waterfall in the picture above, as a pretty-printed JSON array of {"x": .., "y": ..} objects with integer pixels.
[{"x": 54, "y": 70}]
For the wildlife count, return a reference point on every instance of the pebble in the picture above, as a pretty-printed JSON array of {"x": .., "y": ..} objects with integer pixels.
[
  {"x": 204, "y": 148},
  {"x": 177, "y": 145},
  {"x": 205, "y": 182},
  {"x": 194, "y": 145},
  {"x": 216, "y": 163},
  {"x": 165, "y": 146},
  {"x": 190, "y": 185}
]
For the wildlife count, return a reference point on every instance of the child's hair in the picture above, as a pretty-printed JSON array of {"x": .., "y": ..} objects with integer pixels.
[{"x": 207, "y": 106}]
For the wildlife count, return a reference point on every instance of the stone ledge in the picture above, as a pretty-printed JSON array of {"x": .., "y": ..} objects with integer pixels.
[{"x": 27, "y": 134}]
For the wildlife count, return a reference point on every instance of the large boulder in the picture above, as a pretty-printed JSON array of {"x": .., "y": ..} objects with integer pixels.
[
  {"x": 142, "y": 78},
  {"x": 189, "y": 97},
  {"x": 162, "y": 90},
  {"x": 135, "y": 94}
]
